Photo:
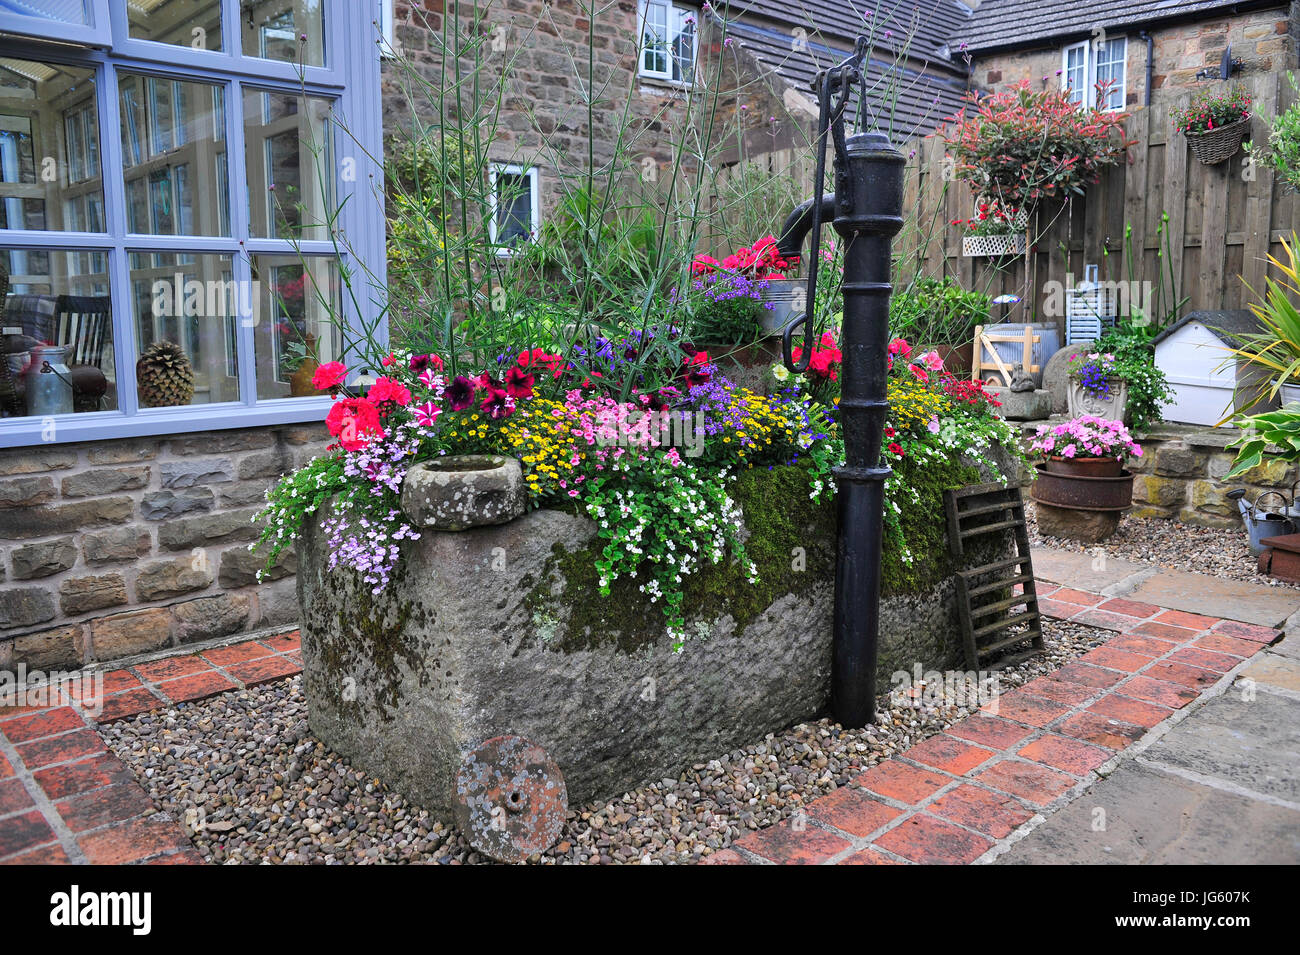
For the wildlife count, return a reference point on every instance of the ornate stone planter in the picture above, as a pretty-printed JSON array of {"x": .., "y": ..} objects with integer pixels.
[
  {"x": 501, "y": 630},
  {"x": 1112, "y": 407}
]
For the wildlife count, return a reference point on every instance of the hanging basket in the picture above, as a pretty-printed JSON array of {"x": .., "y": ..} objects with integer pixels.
[
  {"x": 993, "y": 245},
  {"x": 1215, "y": 145}
]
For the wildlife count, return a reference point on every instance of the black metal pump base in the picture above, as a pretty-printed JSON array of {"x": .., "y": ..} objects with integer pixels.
[{"x": 867, "y": 208}]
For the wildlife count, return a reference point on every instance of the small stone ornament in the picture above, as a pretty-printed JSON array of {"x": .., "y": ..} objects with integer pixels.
[{"x": 457, "y": 492}]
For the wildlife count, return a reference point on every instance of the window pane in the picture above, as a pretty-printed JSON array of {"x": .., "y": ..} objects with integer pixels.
[
  {"x": 683, "y": 45},
  {"x": 55, "y": 308},
  {"x": 60, "y": 11},
  {"x": 291, "y": 31},
  {"x": 514, "y": 202},
  {"x": 184, "y": 306},
  {"x": 49, "y": 148},
  {"x": 287, "y": 143},
  {"x": 295, "y": 330},
  {"x": 192, "y": 23},
  {"x": 171, "y": 156}
]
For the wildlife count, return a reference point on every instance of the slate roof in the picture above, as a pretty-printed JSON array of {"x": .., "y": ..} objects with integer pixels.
[
  {"x": 1232, "y": 325},
  {"x": 908, "y": 95},
  {"x": 1026, "y": 23}
]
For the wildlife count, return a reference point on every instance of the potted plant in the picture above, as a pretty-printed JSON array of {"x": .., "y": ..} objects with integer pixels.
[
  {"x": 1081, "y": 487},
  {"x": 942, "y": 314},
  {"x": 991, "y": 232},
  {"x": 1095, "y": 386},
  {"x": 1276, "y": 347},
  {"x": 1215, "y": 124},
  {"x": 756, "y": 273}
]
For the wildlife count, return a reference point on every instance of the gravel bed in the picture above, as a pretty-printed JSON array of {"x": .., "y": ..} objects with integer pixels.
[
  {"x": 1220, "y": 552},
  {"x": 252, "y": 785}
]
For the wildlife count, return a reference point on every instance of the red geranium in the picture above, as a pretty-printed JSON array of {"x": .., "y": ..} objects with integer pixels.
[
  {"x": 353, "y": 421},
  {"x": 388, "y": 395},
  {"x": 329, "y": 376}
]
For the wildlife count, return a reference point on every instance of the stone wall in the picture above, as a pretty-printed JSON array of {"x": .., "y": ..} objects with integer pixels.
[
  {"x": 112, "y": 548},
  {"x": 1264, "y": 40}
]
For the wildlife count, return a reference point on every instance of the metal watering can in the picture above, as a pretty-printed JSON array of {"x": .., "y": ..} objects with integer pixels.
[{"x": 1261, "y": 523}]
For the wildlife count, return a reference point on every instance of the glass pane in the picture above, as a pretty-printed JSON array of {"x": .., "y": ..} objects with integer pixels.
[
  {"x": 186, "y": 307},
  {"x": 60, "y": 11},
  {"x": 683, "y": 45},
  {"x": 55, "y": 308},
  {"x": 172, "y": 152},
  {"x": 192, "y": 23},
  {"x": 291, "y": 31},
  {"x": 287, "y": 142},
  {"x": 49, "y": 148},
  {"x": 514, "y": 208},
  {"x": 294, "y": 329}
]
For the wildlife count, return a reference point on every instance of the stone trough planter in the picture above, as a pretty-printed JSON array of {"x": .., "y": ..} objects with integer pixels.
[{"x": 501, "y": 631}]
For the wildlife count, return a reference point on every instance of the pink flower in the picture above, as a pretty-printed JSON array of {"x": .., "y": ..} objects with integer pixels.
[
  {"x": 426, "y": 414},
  {"x": 933, "y": 424},
  {"x": 329, "y": 376},
  {"x": 932, "y": 361}
]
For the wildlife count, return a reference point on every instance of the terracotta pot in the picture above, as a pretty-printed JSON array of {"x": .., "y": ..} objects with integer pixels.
[
  {"x": 1085, "y": 467},
  {"x": 958, "y": 359}
]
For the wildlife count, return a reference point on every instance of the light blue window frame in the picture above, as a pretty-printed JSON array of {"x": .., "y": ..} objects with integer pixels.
[{"x": 350, "y": 77}]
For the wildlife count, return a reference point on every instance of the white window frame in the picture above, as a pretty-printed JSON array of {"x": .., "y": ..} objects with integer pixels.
[
  {"x": 497, "y": 169},
  {"x": 387, "y": 45},
  {"x": 675, "y": 15},
  {"x": 1090, "y": 57}
]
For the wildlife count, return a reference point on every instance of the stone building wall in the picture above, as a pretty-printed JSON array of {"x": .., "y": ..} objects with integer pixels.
[
  {"x": 1264, "y": 40},
  {"x": 113, "y": 548}
]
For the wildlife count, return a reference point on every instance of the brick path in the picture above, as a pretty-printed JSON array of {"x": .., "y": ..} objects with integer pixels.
[
  {"x": 957, "y": 797},
  {"x": 953, "y": 798},
  {"x": 65, "y": 798}
]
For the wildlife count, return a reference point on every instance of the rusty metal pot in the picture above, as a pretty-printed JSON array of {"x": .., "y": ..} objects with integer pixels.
[
  {"x": 1085, "y": 467},
  {"x": 1084, "y": 492}
]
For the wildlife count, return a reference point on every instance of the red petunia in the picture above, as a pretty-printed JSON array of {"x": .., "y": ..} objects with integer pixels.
[{"x": 519, "y": 383}]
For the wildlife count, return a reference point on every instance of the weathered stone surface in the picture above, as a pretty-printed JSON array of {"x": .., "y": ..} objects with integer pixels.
[
  {"x": 1145, "y": 511},
  {"x": 464, "y": 491},
  {"x": 226, "y": 526},
  {"x": 69, "y": 518},
  {"x": 1055, "y": 379},
  {"x": 35, "y": 460},
  {"x": 242, "y": 493},
  {"x": 239, "y": 567},
  {"x": 1219, "y": 597},
  {"x": 162, "y": 579},
  {"x": 1162, "y": 492},
  {"x": 1180, "y": 461},
  {"x": 1271, "y": 472},
  {"x": 84, "y": 594},
  {"x": 188, "y": 473},
  {"x": 265, "y": 464},
  {"x": 124, "y": 634},
  {"x": 166, "y": 505},
  {"x": 43, "y": 559},
  {"x": 124, "y": 452},
  {"x": 1212, "y": 498},
  {"x": 97, "y": 481},
  {"x": 277, "y": 603},
  {"x": 306, "y": 434},
  {"x": 24, "y": 606},
  {"x": 222, "y": 442},
  {"x": 1088, "y": 526},
  {"x": 60, "y": 647},
  {"x": 120, "y": 543},
  {"x": 26, "y": 491},
  {"x": 1021, "y": 405},
  {"x": 1189, "y": 515},
  {"x": 210, "y": 617}
]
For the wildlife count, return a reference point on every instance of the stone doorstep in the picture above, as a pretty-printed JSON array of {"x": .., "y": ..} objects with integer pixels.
[
  {"x": 78, "y": 802},
  {"x": 908, "y": 810}
]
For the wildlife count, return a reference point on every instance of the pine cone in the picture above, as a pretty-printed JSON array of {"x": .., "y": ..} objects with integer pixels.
[{"x": 164, "y": 377}]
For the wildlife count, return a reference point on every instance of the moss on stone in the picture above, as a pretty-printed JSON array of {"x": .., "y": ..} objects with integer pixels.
[{"x": 791, "y": 540}]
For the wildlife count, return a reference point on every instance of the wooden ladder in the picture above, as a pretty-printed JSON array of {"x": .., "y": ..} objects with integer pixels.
[
  {"x": 985, "y": 339},
  {"x": 991, "y": 629}
]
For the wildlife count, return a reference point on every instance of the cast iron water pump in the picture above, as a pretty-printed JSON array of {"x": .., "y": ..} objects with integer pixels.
[{"x": 866, "y": 209}]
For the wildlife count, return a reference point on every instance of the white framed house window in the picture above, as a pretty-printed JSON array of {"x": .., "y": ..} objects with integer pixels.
[
  {"x": 164, "y": 199},
  {"x": 515, "y": 206},
  {"x": 1102, "y": 61},
  {"x": 669, "y": 41}
]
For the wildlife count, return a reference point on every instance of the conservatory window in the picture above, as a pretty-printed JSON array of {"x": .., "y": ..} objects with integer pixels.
[
  {"x": 668, "y": 41},
  {"x": 173, "y": 225}
]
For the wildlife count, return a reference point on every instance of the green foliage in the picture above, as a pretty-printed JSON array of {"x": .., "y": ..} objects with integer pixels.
[
  {"x": 1135, "y": 362},
  {"x": 937, "y": 312},
  {"x": 1277, "y": 347},
  {"x": 1280, "y": 428},
  {"x": 1282, "y": 149}
]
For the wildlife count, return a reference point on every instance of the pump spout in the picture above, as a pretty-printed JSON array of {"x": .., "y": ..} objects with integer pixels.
[{"x": 798, "y": 224}]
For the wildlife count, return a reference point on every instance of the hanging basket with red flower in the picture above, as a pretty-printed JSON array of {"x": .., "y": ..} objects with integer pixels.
[{"x": 1215, "y": 124}]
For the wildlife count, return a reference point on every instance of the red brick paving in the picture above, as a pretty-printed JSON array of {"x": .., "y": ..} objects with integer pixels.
[
  {"x": 90, "y": 808},
  {"x": 951, "y": 797}
]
